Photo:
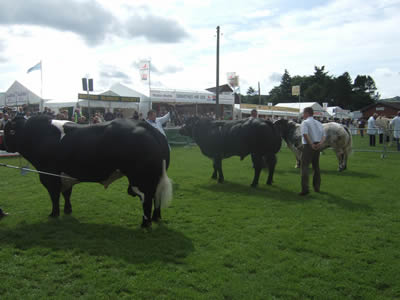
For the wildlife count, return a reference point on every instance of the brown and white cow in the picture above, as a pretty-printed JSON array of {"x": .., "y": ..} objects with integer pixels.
[{"x": 338, "y": 137}]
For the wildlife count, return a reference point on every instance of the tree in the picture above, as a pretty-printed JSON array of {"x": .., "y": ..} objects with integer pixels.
[
  {"x": 343, "y": 90},
  {"x": 321, "y": 87},
  {"x": 286, "y": 86},
  {"x": 250, "y": 91}
]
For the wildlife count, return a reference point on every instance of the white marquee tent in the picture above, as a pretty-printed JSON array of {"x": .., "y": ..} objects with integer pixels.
[
  {"x": 318, "y": 109},
  {"x": 17, "y": 95}
]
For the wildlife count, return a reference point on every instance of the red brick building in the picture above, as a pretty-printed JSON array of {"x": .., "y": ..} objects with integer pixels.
[{"x": 382, "y": 108}]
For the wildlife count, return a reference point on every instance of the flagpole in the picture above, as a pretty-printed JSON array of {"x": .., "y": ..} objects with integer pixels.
[
  {"x": 151, "y": 105},
  {"x": 41, "y": 87}
]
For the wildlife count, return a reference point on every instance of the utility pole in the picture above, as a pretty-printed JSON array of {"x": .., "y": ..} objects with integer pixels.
[
  {"x": 217, "y": 87},
  {"x": 259, "y": 94}
]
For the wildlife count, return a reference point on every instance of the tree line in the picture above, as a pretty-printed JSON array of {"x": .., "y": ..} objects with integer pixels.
[{"x": 320, "y": 87}]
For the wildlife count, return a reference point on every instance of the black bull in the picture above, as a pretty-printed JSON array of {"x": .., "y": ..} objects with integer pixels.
[
  {"x": 95, "y": 153},
  {"x": 222, "y": 139}
]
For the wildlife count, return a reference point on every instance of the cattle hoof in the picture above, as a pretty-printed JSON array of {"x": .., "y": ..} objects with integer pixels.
[
  {"x": 269, "y": 183},
  {"x": 67, "y": 211},
  {"x": 146, "y": 223},
  {"x": 214, "y": 177},
  {"x": 221, "y": 180},
  {"x": 54, "y": 215},
  {"x": 156, "y": 218},
  {"x": 254, "y": 185}
]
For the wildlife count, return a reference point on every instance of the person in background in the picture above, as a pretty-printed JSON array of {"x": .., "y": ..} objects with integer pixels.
[
  {"x": 380, "y": 133},
  {"x": 77, "y": 114},
  {"x": 253, "y": 114},
  {"x": 395, "y": 123},
  {"x": 1, "y": 120},
  {"x": 371, "y": 130},
  {"x": 157, "y": 122},
  {"x": 5, "y": 120},
  {"x": 20, "y": 112},
  {"x": 108, "y": 116},
  {"x": 313, "y": 136},
  {"x": 361, "y": 126},
  {"x": 135, "y": 115}
]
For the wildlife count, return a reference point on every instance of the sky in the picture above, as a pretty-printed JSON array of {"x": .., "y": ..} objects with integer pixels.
[{"x": 106, "y": 40}]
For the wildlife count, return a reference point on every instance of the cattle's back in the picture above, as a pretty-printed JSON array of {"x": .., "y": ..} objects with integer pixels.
[{"x": 239, "y": 137}]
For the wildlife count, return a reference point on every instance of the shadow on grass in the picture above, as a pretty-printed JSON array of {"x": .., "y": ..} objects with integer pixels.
[
  {"x": 345, "y": 173},
  {"x": 136, "y": 246},
  {"x": 280, "y": 194},
  {"x": 349, "y": 173}
]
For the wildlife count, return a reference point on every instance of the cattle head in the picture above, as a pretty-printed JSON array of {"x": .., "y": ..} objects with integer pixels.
[
  {"x": 283, "y": 126},
  {"x": 287, "y": 130},
  {"x": 188, "y": 126},
  {"x": 12, "y": 133}
]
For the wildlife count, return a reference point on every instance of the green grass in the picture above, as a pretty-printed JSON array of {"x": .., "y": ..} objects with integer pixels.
[{"x": 216, "y": 241}]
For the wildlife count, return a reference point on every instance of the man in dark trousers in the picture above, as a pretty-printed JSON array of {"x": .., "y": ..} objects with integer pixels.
[{"x": 313, "y": 136}]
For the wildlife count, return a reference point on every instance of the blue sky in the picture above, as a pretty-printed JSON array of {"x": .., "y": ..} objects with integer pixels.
[{"x": 260, "y": 39}]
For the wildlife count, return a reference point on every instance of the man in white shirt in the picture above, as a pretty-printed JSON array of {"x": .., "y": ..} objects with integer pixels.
[
  {"x": 395, "y": 123},
  {"x": 313, "y": 136},
  {"x": 157, "y": 122},
  {"x": 372, "y": 129}
]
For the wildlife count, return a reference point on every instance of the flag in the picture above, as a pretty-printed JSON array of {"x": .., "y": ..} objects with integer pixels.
[
  {"x": 38, "y": 66},
  {"x": 144, "y": 70}
]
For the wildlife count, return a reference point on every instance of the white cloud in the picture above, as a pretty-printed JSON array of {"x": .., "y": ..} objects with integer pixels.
[{"x": 260, "y": 39}]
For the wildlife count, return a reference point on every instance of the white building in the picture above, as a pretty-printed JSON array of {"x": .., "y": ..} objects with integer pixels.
[
  {"x": 18, "y": 95},
  {"x": 265, "y": 111},
  {"x": 338, "y": 112},
  {"x": 318, "y": 109}
]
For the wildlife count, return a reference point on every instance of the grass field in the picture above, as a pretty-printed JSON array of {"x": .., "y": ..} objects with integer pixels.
[{"x": 216, "y": 241}]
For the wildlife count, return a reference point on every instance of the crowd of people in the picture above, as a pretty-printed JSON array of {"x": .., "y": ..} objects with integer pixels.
[{"x": 77, "y": 116}]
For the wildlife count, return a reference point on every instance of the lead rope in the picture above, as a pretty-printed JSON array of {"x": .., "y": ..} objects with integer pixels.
[{"x": 23, "y": 169}]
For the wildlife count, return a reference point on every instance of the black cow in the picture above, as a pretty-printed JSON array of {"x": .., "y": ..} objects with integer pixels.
[
  {"x": 222, "y": 139},
  {"x": 95, "y": 153}
]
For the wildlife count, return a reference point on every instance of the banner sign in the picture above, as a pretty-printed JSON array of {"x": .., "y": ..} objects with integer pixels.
[
  {"x": 107, "y": 98},
  {"x": 233, "y": 79},
  {"x": 295, "y": 90},
  {"x": 16, "y": 98},
  {"x": 271, "y": 108},
  {"x": 189, "y": 97}
]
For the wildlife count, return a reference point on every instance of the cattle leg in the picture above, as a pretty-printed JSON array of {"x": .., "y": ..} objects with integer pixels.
[
  {"x": 257, "y": 165},
  {"x": 218, "y": 166},
  {"x": 215, "y": 173},
  {"x": 53, "y": 186},
  {"x": 339, "y": 156},
  {"x": 271, "y": 161},
  {"x": 156, "y": 214},
  {"x": 147, "y": 206},
  {"x": 67, "y": 203}
]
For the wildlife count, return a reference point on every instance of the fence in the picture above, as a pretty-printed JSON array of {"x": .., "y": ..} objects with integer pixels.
[
  {"x": 175, "y": 138},
  {"x": 360, "y": 141},
  {"x": 384, "y": 144}
]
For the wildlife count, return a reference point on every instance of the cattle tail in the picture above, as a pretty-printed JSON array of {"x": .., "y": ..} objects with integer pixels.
[{"x": 163, "y": 194}]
